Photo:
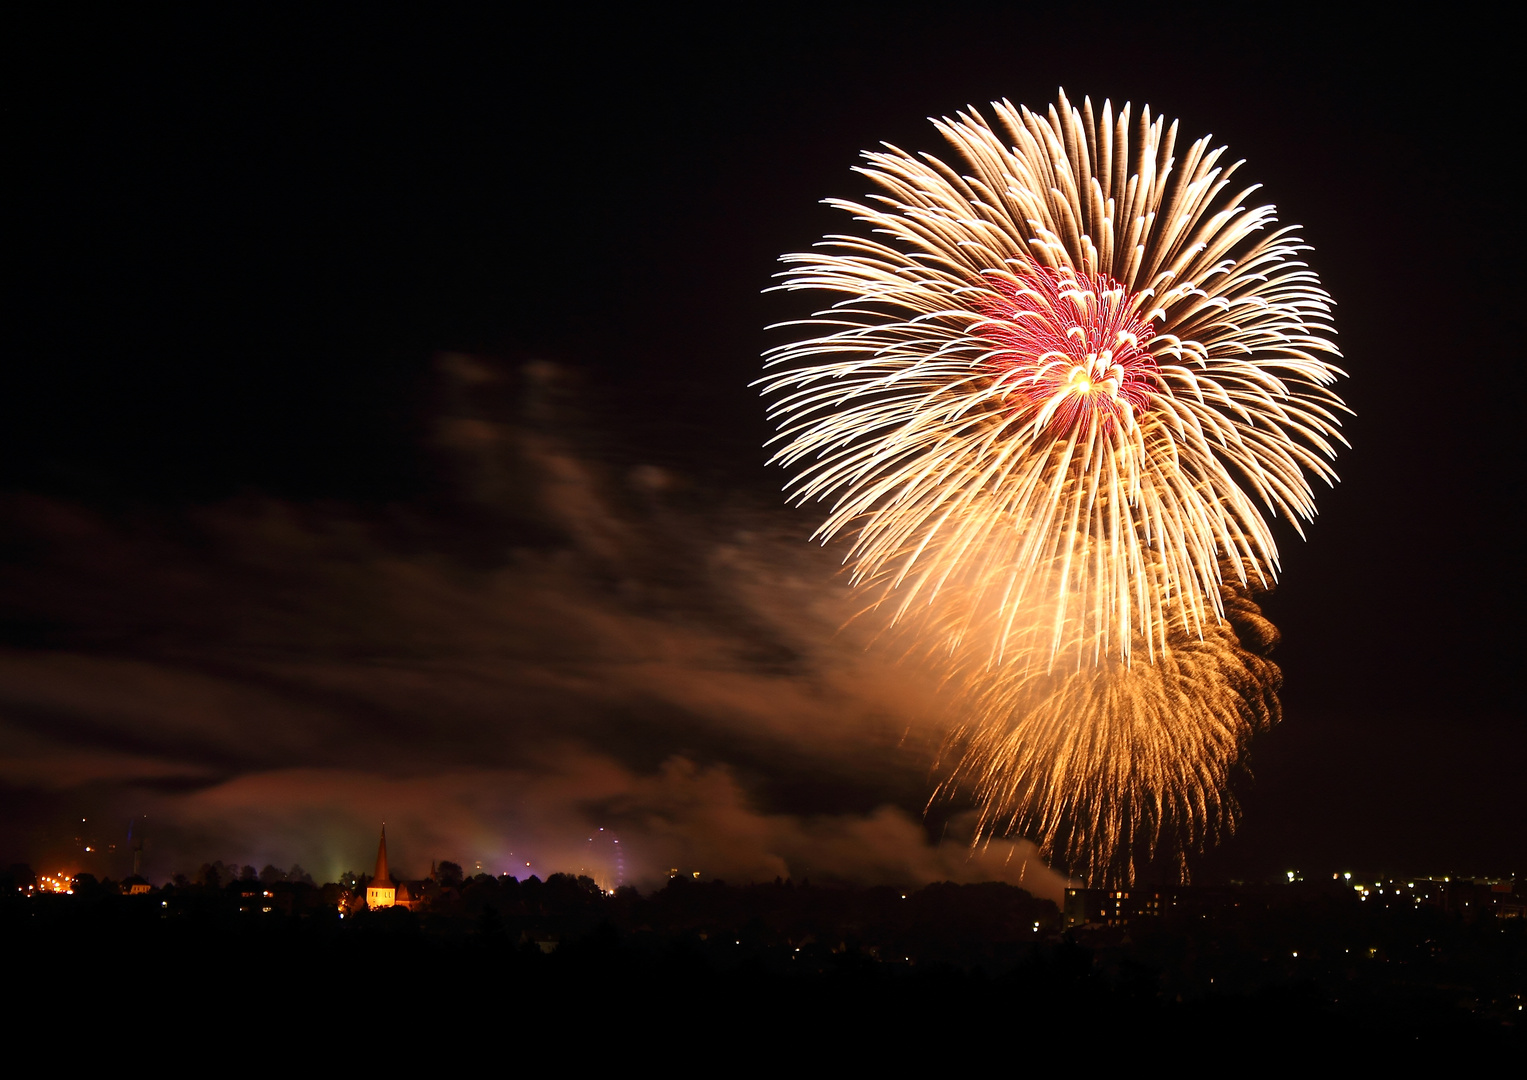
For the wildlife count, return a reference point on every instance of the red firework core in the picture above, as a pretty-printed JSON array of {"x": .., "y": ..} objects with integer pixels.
[{"x": 1068, "y": 345}]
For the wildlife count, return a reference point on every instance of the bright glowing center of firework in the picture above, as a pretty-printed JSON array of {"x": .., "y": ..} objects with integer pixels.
[{"x": 1067, "y": 345}]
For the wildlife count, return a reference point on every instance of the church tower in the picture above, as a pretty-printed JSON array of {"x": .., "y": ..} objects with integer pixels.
[{"x": 381, "y": 892}]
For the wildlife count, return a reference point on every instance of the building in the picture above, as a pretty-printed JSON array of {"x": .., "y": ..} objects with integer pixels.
[
  {"x": 380, "y": 890},
  {"x": 408, "y": 896},
  {"x": 1112, "y": 907}
]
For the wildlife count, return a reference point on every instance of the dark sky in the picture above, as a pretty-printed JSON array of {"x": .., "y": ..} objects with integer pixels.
[{"x": 377, "y": 439}]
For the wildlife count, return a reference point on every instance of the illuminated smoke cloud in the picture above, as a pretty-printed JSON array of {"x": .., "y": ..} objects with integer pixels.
[{"x": 570, "y": 643}]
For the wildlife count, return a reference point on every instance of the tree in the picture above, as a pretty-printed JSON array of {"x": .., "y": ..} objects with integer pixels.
[
  {"x": 270, "y": 875},
  {"x": 84, "y": 885},
  {"x": 490, "y": 925},
  {"x": 449, "y": 874}
]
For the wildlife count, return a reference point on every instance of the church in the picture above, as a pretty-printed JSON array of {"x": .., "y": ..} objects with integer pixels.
[{"x": 382, "y": 891}]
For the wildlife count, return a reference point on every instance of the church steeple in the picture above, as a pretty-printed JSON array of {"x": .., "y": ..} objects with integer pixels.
[
  {"x": 380, "y": 890},
  {"x": 380, "y": 878}
]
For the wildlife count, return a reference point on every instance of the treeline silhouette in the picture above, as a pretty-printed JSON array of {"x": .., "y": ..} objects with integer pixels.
[{"x": 700, "y": 961}]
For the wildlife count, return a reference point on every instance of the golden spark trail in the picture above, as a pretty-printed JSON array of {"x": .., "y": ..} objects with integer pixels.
[{"x": 1115, "y": 762}]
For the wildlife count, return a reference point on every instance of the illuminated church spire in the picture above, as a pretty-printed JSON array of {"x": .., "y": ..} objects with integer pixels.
[
  {"x": 381, "y": 860},
  {"x": 380, "y": 891}
]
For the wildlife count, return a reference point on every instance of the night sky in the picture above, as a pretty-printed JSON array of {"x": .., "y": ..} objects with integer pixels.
[{"x": 378, "y": 443}]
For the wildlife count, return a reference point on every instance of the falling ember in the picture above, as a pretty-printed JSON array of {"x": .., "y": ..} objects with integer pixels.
[{"x": 1062, "y": 389}]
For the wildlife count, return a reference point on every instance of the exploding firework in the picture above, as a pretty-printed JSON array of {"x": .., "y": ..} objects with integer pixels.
[
  {"x": 1059, "y": 389},
  {"x": 1081, "y": 372}
]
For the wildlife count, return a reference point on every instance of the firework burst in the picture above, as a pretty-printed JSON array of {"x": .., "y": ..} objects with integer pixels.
[
  {"x": 1060, "y": 388},
  {"x": 1080, "y": 354}
]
